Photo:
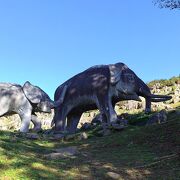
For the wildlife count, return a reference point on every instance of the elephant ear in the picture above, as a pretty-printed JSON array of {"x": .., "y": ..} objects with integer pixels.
[
  {"x": 116, "y": 71},
  {"x": 32, "y": 93}
]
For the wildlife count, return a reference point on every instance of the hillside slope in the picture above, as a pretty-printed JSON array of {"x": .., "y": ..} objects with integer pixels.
[
  {"x": 150, "y": 152},
  {"x": 137, "y": 152}
]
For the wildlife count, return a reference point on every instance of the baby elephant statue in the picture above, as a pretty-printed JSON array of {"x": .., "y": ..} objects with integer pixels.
[
  {"x": 25, "y": 101},
  {"x": 99, "y": 87}
]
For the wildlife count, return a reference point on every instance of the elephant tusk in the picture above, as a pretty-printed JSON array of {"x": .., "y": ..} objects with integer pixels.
[
  {"x": 153, "y": 97},
  {"x": 160, "y": 99}
]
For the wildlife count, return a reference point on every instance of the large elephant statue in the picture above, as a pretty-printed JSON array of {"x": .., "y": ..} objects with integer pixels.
[
  {"x": 99, "y": 87},
  {"x": 25, "y": 101}
]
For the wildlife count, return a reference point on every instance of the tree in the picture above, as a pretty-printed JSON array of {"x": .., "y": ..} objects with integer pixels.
[{"x": 171, "y": 4}]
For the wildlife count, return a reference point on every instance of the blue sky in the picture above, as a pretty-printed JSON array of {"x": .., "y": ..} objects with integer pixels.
[{"x": 49, "y": 41}]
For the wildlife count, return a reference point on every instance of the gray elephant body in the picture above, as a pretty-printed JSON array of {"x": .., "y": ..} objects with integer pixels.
[
  {"x": 24, "y": 101},
  {"x": 99, "y": 87}
]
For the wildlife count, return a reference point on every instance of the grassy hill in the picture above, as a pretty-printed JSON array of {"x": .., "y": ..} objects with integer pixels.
[
  {"x": 137, "y": 152},
  {"x": 165, "y": 82},
  {"x": 150, "y": 152}
]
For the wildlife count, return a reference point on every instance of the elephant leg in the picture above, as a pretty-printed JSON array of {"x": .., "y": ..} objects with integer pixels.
[
  {"x": 148, "y": 105},
  {"x": 36, "y": 122},
  {"x": 60, "y": 119},
  {"x": 72, "y": 122},
  {"x": 112, "y": 113},
  {"x": 108, "y": 113},
  {"x": 103, "y": 107},
  {"x": 25, "y": 118}
]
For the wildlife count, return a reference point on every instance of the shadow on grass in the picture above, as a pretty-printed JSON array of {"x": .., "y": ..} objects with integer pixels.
[
  {"x": 130, "y": 154},
  {"x": 24, "y": 158}
]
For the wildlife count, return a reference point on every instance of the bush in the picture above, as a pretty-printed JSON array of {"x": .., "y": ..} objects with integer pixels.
[{"x": 165, "y": 82}]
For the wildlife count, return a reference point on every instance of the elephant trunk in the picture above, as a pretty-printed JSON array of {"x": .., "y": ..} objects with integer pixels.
[{"x": 145, "y": 92}]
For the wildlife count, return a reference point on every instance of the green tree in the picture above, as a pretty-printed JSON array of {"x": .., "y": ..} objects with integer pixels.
[{"x": 171, "y": 4}]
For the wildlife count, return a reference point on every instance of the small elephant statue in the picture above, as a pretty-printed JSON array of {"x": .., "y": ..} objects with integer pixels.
[
  {"x": 99, "y": 87},
  {"x": 25, "y": 101}
]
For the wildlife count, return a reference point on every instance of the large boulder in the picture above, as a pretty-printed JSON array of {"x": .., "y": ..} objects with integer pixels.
[
  {"x": 79, "y": 137},
  {"x": 65, "y": 152},
  {"x": 97, "y": 119},
  {"x": 158, "y": 118}
]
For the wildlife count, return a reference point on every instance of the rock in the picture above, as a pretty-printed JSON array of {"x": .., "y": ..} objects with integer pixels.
[
  {"x": 92, "y": 114},
  {"x": 66, "y": 152},
  {"x": 86, "y": 118},
  {"x": 97, "y": 119},
  {"x": 57, "y": 137},
  {"x": 86, "y": 126},
  {"x": 33, "y": 136},
  {"x": 104, "y": 132},
  {"x": 176, "y": 99},
  {"x": 168, "y": 107},
  {"x": 158, "y": 118},
  {"x": 70, "y": 137},
  {"x": 85, "y": 169},
  {"x": 78, "y": 137},
  {"x": 117, "y": 126},
  {"x": 72, "y": 150},
  {"x": 131, "y": 104},
  {"x": 113, "y": 175},
  {"x": 123, "y": 122},
  {"x": 49, "y": 131},
  {"x": 123, "y": 116},
  {"x": 83, "y": 136}
]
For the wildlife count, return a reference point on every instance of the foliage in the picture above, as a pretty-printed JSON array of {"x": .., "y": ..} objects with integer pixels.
[
  {"x": 165, "y": 82},
  {"x": 171, "y": 4}
]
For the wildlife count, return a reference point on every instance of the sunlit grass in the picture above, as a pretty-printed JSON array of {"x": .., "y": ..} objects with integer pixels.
[{"x": 132, "y": 153}]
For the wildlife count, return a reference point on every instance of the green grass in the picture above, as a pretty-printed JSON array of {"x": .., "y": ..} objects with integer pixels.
[
  {"x": 135, "y": 153},
  {"x": 165, "y": 82}
]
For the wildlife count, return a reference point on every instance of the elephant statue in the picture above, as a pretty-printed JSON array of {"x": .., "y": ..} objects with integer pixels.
[
  {"x": 25, "y": 101},
  {"x": 101, "y": 87}
]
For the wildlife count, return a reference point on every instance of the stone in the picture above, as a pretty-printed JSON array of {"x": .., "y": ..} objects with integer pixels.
[
  {"x": 83, "y": 136},
  {"x": 49, "y": 131},
  {"x": 123, "y": 122},
  {"x": 158, "y": 118},
  {"x": 97, "y": 119},
  {"x": 124, "y": 116},
  {"x": 176, "y": 99},
  {"x": 78, "y": 137},
  {"x": 69, "y": 137},
  {"x": 86, "y": 126},
  {"x": 113, "y": 175},
  {"x": 117, "y": 126},
  {"x": 104, "y": 132},
  {"x": 131, "y": 104},
  {"x": 85, "y": 169},
  {"x": 33, "y": 136},
  {"x": 168, "y": 107},
  {"x": 57, "y": 137},
  {"x": 66, "y": 152}
]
